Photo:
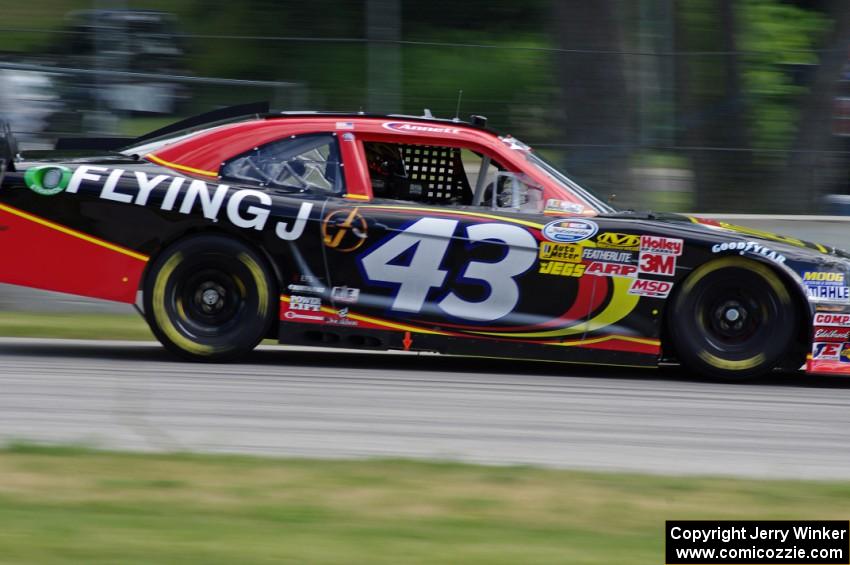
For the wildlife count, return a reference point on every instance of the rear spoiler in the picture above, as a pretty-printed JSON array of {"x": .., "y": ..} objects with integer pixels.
[
  {"x": 118, "y": 143},
  {"x": 8, "y": 149}
]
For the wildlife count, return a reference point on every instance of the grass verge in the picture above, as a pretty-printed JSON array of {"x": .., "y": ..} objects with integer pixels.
[
  {"x": 74, "y": 326},
  {"x": 70, "y": 505}
]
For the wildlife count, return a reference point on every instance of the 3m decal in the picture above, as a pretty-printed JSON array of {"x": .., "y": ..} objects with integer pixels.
[
  {"x": 655, "y": 289},
  {"x": 406, "y": 127},
  {"x": 749, "y": 247},
  {"x": 244, "y": 208},
  {"x": 344, "y": 230},
  {"x": 569, "y": 231},
  {"x": 618, "y": 241},
  {"x": 657, "y": 244},
  {"x": 840, "y": 320},
  {"x": 47, "y": 180},
  {"x": 567, "y": 252},
  {"x": 611, "y": 270},
  {"x": 657, "y": 264},
  {"x": 430, "y": 238}
]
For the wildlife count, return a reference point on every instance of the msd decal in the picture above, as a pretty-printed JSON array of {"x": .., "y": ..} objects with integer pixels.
[
  {"x": 406, "y": 127},
  {"x": 654, "y": 289},
  {"x": 824, "y": 319},
  {"x": 244, "y": 208}
]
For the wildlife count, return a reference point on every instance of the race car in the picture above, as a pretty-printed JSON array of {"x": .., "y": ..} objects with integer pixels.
[{"x": 402, "y": 232}]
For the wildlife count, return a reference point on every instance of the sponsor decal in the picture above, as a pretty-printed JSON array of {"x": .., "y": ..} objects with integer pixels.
[
  {"x": 845, "y": 353},
  {"x": 749, "y": 247},
  {"x": 244, "y": 208},
  {"x": 658, "y": 244},
  {"x": 608, "y": 255},
  {"x": 290, "y": 315},
  {"x": 611, "y": 270},
  {"x": 569, "y": 231},
  {"x": 657, "y": 264},
  {"x": 306, "y": 288},
  {"x": 840, "y": 320},
  {"x": 305, "y": 303},
  {"x": 309, "y": 279},
  {"x": 555, "y": 205},
  {"x": 344, "y": 230},
  {"x": 345, "y": 294},
  {"x": 341, "y": 318},
  {"x": 655, "y": 289},
  {"x": 826, "y": 286},
  {"x": 513, "y": 143},
  {"x": 623, "y": 241},
  {"x": 345, "y": 125},
  {"x": 48, "y": 180},
  {"x": 832, "y": 334},
  {"x": 826, "y": 350},
  {"x": 561, "y": 268},
  {"x": 568, "y": 252},
  {"x": 406, "y": 127}
]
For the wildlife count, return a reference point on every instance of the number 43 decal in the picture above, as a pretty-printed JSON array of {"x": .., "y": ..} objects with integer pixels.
[{"x": 430, "y": 239}]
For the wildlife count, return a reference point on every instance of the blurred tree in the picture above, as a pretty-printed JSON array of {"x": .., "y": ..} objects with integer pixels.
[{"x": 596, "y": 105}]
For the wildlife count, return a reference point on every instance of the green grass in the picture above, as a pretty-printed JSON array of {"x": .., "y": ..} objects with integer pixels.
[
  {"x": 73, "y": 326},
  {"x": 72, "y": 505}
]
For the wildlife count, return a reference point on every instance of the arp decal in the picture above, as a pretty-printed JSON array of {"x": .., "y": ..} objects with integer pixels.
[
  {"x": 569, "y": 231},
  {"x": 611, "y": 270},
  {"x": 344, "y": 230}
]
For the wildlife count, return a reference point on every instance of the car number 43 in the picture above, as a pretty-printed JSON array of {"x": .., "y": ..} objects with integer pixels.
[{"x": 429, "y": 239}]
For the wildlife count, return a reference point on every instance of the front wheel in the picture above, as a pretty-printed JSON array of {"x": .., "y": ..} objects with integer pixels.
[
  {"x": 209, "y": 298},
  {"x": 732, "y": 319}
]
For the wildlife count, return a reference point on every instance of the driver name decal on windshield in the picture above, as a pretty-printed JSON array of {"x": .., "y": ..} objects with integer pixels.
[{"x": 245, "y": 208}]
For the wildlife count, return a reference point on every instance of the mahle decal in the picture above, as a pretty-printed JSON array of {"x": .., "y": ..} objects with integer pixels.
[{"x": 48, "y": 180}]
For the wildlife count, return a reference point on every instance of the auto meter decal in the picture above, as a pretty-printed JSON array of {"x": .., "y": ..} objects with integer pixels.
[
  {"x": 406, "y": 127},
  {"x": 569, "y": 231},
  {"x": 244, "y": 208}
]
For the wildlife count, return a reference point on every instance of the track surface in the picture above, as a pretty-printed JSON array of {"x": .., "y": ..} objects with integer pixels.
[{"x": 322, "y": 403}]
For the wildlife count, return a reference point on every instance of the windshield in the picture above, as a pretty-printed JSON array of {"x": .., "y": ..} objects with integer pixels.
[{"x": 594, "y": 201}]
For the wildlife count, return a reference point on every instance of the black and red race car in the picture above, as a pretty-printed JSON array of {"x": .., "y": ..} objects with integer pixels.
[{"x": 400, "y": 232}]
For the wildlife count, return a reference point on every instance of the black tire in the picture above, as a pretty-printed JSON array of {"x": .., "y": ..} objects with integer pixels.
[
  {"x": 732, "y": 319},
  {"x": 210, "y": 298}
]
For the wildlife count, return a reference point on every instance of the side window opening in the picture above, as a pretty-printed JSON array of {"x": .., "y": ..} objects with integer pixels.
[
  {"x": 307, "y": 162},
  {"x": 433, "y": 174}
]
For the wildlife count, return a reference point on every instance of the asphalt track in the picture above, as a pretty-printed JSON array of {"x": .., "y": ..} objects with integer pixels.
[{"x": 321, "y": 403}]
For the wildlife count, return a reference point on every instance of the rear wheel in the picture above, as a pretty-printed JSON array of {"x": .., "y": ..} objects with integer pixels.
[
  {"x": 209, "y": 298},
  {"x": 732, "y": 319}
]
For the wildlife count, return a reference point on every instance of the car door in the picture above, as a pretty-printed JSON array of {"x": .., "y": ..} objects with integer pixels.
[{"x": 456, "y": 269}]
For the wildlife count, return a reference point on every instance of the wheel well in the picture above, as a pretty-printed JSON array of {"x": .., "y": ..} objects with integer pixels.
[
  {"x": 194, "y": 231},
  {"x": 801, "y": 305}
]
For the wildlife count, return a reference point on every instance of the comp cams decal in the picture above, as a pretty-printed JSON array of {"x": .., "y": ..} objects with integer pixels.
[{"x": 244, "y": 208}]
